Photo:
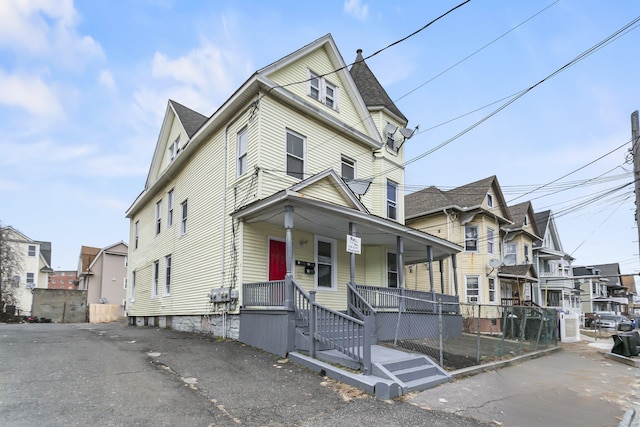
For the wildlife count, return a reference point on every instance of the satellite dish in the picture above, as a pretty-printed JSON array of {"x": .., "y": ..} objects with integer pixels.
[
  {"x": 494, "y": 263},
  {"x": 359, "y": 186},
  {"x": 391, "y": 128},
  {"x": 407, "y": 133}
]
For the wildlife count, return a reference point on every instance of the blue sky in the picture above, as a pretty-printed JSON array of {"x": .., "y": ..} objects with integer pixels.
[{"x": 84, "y": 86}]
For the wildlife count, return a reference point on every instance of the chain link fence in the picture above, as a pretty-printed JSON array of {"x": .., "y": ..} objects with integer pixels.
[{"x": 461, "y": 335}]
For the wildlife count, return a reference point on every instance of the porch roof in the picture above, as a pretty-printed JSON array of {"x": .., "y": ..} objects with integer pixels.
[
  {"x": 331, "y": 220},
  {"x": 518, "y": 272}
]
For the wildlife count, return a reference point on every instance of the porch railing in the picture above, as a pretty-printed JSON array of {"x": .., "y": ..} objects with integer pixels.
[
  {"x": 357, "y": 305},
  {"x": 263, "y": 294},
  {"x": 420, "y": 301}
]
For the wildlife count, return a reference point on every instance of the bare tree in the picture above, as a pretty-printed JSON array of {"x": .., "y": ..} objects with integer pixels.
[{"x": 10, "y": 267}]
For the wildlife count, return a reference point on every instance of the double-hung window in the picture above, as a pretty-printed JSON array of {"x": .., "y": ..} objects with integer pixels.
[
  {"x": 174, "y": 149},
  {"x": 492, "y": 289},
  {"x": 132, "y": 292},
  {"x": 158, "y": 216},
  {"x": 526, "y": 254},
  {"x": 31, "y": 251},
  {"x": 321, "y": 90},
  {"x": 183, "y": 221},
  {"x": 348, "y": 169},
  {"x": 490, "y": 241},
  {"x": 31, "y": 277},
  {"x": 511, "y": 254},
  {"x": 471, "y": 238},
  {"x": 170, "y": 208},
  {"x": 295, "y": 155},
  {"x": 136, "y": 227},
  {"x": 473, "y": 288},
  {"x": 167, "y": 275},
  {"x": 326, "y": 261},
  {"x": 392, "y": 270},
  {"x": 241, "y": 151},
  {"x": 155, "y": 277},
  {"x": 392, "y": 197}
]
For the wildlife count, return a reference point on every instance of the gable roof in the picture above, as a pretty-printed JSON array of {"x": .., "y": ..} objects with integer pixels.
[
  {"x": 519, "y": 271},
  {"x": 87, "y": 255},
  {"x": 464, "y": 198},
  {"x": 191, "y": 120},
  {"x": 542, "y": 220},
  {"x": 370, "y": 88},
  {"x": 518, "y": 214}
]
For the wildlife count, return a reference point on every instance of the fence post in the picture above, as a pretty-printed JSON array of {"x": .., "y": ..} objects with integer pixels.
[
  {"x": 366, "y": 344},
  {"x": 478, "y": 336},
  {"x": 440, "y": 331},
  {"x": 312, "y": 324}
]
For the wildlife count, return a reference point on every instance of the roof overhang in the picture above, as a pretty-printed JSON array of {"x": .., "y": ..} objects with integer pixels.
[{"x": 330, "y": 220}]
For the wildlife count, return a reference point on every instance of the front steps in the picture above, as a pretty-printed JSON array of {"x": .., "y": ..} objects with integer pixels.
[{"x": 394, "y": 372}]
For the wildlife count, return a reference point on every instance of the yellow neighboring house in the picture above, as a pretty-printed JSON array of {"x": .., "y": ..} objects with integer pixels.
[
  {"x": 305, "y": 153},
  {"x": 34, "y": 268},
  {"x": 496, "y": 265}
]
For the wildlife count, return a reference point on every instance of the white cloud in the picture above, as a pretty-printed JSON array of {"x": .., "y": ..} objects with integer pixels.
[
  {"x": 47, "y": 29},
  {"x": 356, "y": 9},
  {"x": 42, "y": 154},
  {"x": 106, "y": 79},
  {"x": 30, "y": 93}
]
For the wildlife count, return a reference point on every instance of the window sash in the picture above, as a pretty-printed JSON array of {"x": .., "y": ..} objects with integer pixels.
[
  {"x": 471, "y": 238},
  {"x": 348, "y": 168},
  {"x": 154, "y": 284},
  {"x": 392, "y": 270},
  {"x": 295, "y": 155},
  {"x": 472, "y": 284},
  {"x": 241, "y": 151},
  {"x": 492, "y": 289},
  {"x": 489, "y": 200},
  {"x": 167, "y": 275},
  {"x": 31, "y": 277},
  {"x": 31, "y": 250},
  {"x": 183, "y": 222},
  {"x": 158, "y": 217},
  {"x": 392, "y": 196},
  {"x": 170, "y": 208},
  {"x": 326, "y": 260},
  {"x": 511, "y": 254},
  {"x": 490, "y": 242}
]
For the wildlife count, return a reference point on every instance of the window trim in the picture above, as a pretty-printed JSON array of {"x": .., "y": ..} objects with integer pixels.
[
  {"x": 29, "y": 250},
  {"x": 349, "y": 163},
  {"x": 132, "y": 293},
  {"x": 294, "y": 156},
  {"x": 184, "y": 209},
  {"x": 475, "y": 238},
  {"x": 174, "y": 149},
  {"x": 170, "y": 203},
  {"x": 466, "y": 288},
  {"x": 387, "y": 271},
  {"x": 241, "y": 155},
  {"x": 158, "y": 216},
  {"x": 393, "y": 204},
  {"x": 155, "y": 278},
  {"x": 491, "y": 282},
  {"x": 167, "y": 275},
  {"x": 489, "y": 200},
  {"x": 491, "y": 247},
  {"x": 329, "y": 101},
  {"x": 513, "y": 245},
  {"x": 334, "y": 263}
]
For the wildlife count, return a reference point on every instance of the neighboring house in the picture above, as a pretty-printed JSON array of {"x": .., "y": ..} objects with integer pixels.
[
  {"x": 601, "y": 288},
  {"x": 67, "y": 279},
  {"x": 253, "y": 206},
  {"x": 472, "y": 216},
  {"x": 103, "y": 274},
  {"x": 628, "y": 281},
  {"x": 556, "y": 287},
  {"x": 35, "y": 267}
]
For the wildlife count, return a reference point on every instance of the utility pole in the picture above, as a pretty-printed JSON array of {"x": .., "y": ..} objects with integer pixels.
[{"x": 635, "y": 150}]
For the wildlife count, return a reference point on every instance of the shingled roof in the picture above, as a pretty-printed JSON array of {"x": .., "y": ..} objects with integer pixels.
[
  {"x": 372, "y": 92},
  {"x": 191, "y": 120},
  {"x": 465, "y": 197},
  {"x": 542, "y": 219}
]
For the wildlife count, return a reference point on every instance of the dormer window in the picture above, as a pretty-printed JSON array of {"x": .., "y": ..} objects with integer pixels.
[
  {"x": 323, "y": 91},
  {"x": 174, "y": 149},
  {"x": 526, "y": 221},
  {"x": 489, "y": 200}
]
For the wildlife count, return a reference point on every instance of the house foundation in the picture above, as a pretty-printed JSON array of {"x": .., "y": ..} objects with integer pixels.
[{"x": 220, "y": 325}]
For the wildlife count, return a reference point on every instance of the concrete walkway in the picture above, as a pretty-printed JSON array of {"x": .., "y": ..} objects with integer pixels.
[{"x": 576, "y": 386}]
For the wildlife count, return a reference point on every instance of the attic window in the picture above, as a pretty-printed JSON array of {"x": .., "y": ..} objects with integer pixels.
[
  {"x": 526, "y": 221},
  {"x": 489, "y": 200},
  {"x": 174, "y": 149},
  {"x": 323, "y": 91}
]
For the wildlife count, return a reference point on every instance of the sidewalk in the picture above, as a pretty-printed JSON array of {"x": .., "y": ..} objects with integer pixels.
[{"x": 576, "y": 386}]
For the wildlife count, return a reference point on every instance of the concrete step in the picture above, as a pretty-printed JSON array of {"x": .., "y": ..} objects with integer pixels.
[
  {"x": 405, "y": 363},
  {"x": 415, "y": 373},
  {"x": 426, "y": 383}
]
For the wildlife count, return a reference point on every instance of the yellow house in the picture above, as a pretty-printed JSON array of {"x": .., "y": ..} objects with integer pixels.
[{"x": 289, "y": 191}]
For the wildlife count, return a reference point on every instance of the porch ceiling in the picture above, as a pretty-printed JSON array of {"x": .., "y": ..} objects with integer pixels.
[{"x": 330, "y": 220}]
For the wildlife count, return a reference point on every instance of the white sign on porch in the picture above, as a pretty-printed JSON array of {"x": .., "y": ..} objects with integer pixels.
[{"x": 353, "y": 244}]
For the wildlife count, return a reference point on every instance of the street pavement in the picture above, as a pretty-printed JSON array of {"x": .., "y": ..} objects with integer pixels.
[
  {"x": 119, "y": 375},
  {"x": 576, "y": 386},
  {"x": 114, "y": 374}
]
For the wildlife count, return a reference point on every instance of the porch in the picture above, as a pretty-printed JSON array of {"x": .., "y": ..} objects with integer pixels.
[{"x": 284, "y": 319}]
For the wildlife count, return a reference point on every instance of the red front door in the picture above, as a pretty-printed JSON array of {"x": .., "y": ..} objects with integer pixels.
[{"x": 277, "y": 260}]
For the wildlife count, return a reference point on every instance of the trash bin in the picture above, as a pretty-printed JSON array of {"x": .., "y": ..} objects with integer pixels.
[{"x": 626, "y": 344}]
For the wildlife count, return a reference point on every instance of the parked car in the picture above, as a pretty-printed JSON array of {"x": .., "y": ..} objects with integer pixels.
[{"x": 613, "y": 321}]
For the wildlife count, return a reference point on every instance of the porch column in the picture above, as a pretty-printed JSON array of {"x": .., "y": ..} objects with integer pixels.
[
  {"x": 430, "y": 260},
  {"x": 454, "y": 263},
  {"x": 400, "y": 266},
  {"x": 441, "y": 266},
  {"x": 352, "y": 257},
  {"x": 288, "y": 282}
]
